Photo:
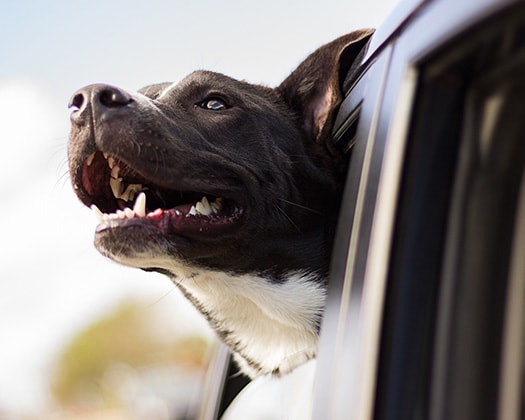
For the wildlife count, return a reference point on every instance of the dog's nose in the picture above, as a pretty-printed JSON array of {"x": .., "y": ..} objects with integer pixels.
[{"x": 98, "y": 96}]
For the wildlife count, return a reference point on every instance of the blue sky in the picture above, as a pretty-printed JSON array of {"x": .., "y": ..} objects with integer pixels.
[
  {"x": 52, "y": 281},
  {"x": 65, "y": 44}
]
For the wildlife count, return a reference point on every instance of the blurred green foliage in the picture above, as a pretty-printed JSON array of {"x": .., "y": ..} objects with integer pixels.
[{"x": 131, "y": 336}]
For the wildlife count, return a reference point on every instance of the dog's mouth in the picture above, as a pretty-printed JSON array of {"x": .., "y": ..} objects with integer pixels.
[{"x": 121, "y": 197}]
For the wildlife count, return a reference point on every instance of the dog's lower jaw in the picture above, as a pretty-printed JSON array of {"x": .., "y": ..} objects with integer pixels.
[{"x": 271, "y": 327}]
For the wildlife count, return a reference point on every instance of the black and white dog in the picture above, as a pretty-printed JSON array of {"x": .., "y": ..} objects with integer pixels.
[{"x": 229, "y": 188}]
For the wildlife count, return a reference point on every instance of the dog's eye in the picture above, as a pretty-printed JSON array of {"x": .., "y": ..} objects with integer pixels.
[{"x": 213, "y": 104}]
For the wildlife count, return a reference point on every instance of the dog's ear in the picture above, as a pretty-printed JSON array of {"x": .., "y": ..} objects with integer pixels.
[{"x": 314, "y": 89}]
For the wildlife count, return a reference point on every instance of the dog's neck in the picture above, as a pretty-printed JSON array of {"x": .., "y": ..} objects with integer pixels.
[{"x": 271, "y": 327}]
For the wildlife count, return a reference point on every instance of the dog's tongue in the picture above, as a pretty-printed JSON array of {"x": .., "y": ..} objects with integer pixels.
[{"x": 199, "y": 218}]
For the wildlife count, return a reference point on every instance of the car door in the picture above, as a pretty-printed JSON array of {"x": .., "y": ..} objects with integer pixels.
[{"x": 425, "y": 314}]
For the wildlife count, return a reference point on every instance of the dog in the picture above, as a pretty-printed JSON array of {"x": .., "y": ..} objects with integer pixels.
[{"x": 229, "y": 188}]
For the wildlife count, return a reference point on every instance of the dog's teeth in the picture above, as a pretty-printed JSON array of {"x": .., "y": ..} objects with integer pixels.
[
  {"x": 140, "y": 205},
  {"x": 216, "y": 206},
  {"x": 119, "y": 214},
  {"x": 155, "y": 213},
  {"x": 90, "y": 159},
  {"x": 130, "y": 214},
  {"x": 98, "y": 213},
  {"x": 125, "y": 195},
  {"x": 199, "y": 207},
  {"x": 193, "y": 211},
  {"x": 131, "y": 191},
  {"x": 115, "y": 182},
  {"x": 203, "y": 207},
  {"x": 115, "y": 169},
  {"x": 116, "y": 186},
  {"x": 105, "y": 155},
  {"x": 111, "y": 162}
]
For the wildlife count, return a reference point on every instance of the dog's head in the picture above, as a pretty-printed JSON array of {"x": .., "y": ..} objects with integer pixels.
[{"x": 214, "y": 172}]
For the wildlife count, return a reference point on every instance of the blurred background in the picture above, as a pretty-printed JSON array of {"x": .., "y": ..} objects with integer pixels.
[{"x": 80, "y": 337}]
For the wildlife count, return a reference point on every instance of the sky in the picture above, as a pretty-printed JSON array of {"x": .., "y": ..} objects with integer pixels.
[{"x": 52, "y": 280}]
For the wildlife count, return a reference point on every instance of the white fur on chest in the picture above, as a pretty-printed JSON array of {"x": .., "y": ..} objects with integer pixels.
[
  {"x": 272, "y": 324},
  {"x": 271, "y": 327}
]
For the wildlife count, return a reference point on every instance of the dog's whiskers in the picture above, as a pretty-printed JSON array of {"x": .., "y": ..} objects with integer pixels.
[
  {"x": 280, "y": 210},
  {"x": 301, "y": 206},
  {"x": 169, "y": 292},
  {"x": 62, "y": 179},
  {"x": 178, "y": 281},
  {"x": 62, "y": 173}
]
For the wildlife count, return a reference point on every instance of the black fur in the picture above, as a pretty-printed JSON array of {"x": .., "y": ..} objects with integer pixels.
[{"x": 266, "y": 151}]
